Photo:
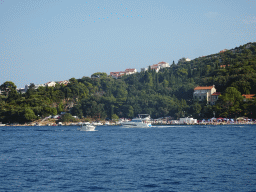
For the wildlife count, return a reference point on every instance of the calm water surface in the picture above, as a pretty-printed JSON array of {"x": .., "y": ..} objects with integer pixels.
[{"x": 178, "y": 158}]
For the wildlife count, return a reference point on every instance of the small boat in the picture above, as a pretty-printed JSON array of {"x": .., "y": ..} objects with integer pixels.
[
  {"x": 86, "y": 127},
  {"x": 1, "y": 124},
  {"x": 142, "y": 121},
  {"x": 107, "y": 123}
]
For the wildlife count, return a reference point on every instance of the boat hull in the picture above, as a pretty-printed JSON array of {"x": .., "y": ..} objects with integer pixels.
[
  {"x": 138, "y": 122},
  {"x": 87, "y": 128}
]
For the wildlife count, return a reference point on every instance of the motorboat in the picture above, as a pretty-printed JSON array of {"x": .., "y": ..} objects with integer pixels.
[
  {"x": 1, "y": 124},
  {"x": 86, "y": 127},
  {"x": 142, "y": 121},
  {"x": 107, "y": 123}
]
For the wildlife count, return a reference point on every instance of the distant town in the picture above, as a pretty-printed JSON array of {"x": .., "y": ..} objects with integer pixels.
[{"x": 156, "y": 67}]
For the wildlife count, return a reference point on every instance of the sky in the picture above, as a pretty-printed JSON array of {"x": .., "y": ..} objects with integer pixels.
[{"x": 55, "y": 40}]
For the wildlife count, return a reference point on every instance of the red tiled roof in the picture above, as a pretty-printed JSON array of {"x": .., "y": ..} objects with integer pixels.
[
  {"x": 216, "y": 93},
  {"x": 162, "y": 62},
  {"x": 248, "y": 96},
  {"x": 200, "y": 88},
  {"x": 112, "y": 73},
  {"x": 131, "y": 70}
]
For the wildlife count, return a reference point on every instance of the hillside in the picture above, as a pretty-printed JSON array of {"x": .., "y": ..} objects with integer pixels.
[{"x": 166, "y": 93}]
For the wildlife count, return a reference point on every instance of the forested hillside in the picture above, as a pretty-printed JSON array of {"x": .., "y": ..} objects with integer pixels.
[{"x": 166, "y": 93}]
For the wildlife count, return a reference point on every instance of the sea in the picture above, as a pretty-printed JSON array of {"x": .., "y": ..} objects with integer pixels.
[{"x": 111, "y": 158}]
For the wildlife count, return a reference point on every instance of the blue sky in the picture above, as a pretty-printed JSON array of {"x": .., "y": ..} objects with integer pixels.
[{"x": 54, "y": 40}]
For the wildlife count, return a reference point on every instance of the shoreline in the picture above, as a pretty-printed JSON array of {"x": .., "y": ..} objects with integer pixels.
[{"x": 73, "y": 124}]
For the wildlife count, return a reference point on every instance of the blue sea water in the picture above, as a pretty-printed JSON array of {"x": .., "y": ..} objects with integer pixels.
[{"x": 167, "y": 158}]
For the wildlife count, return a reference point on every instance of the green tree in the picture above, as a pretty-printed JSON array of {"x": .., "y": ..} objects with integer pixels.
[
  {"x": 195, "y": 109},
  {"x": 100, "y": 74},
  {"x": 114, "y": 117},
  {"x": 60, "y": 108},
  {"x": 67, "y": 117},
  {"x": 29, "y": 114},
  {"x": 9, "y": 89},
  {"x": 8, "y": 86},
  {"x": 230, "y": 102}
]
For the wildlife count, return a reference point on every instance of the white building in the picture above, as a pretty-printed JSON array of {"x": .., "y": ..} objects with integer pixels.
[
  {"x": 143, "y": 69},
  {"x": 39, "y": 85},
  {"x": 121, "y": 73},
  {"x": 65, "y": 82},
  {"x": 51, "y": 84},
  {"x": 20, "y": 90},
  {"x": 163, "y": 64},
  {"x": 188, "y": 120},
  {"x": 160, "y": 65},
  {"x": 130, "y": 71},
  {"x": 156, "y": 67},
  {"x": 204, "y": 93},
  {"x": 117, "y": 74}
]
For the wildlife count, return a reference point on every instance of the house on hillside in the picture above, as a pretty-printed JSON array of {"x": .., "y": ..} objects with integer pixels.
[
  {"x": 121, "y": 73},
  {"x": 204, "y": 93},
  {"x": 65, "y": 82},
  {"x": 155, "y": 67},
  {"x": 39, "y": 85},
  {"x": 95, "y": 76},
  {"x": 214, "y": 97},
  {"x": 50, "y": 84},
  {"x": 248, "y": 97},
  {"x": 130, "y": 71},
  {"x": 224, "y": 50},
  {"x": 143, "y": 69},
  {"x": 117, "y": 74},
  {"x": 19, "y": 90},
  {"x": 163, "y": 64}
]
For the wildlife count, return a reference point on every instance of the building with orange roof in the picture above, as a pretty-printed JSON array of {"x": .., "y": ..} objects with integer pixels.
[
  {"x": 224, "y": 50},
  {"x": 130, "y": 71},
  {"x": 248, "y": 96},
  {"x": 50, "y": 84},
  {"x": 214, "y": 98},
  {"x": 121, "y": 73},
  {"x": 117, "y": 74},
  {"x": 157, "y": 67},
  {"x": 204, "y": 93}
]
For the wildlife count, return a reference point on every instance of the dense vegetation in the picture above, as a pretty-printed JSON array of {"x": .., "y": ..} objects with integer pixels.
[{"x": 168, "y": 93}]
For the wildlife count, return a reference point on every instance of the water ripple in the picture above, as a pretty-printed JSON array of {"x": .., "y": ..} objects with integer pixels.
[{"x": 181, "y": 158}]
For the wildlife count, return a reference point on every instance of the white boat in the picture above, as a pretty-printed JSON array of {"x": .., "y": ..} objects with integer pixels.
[
  {"x": 142, "y": 121},
  {"x": 1, "y": 124},
  {"x": 107, "y": 123},
  {"x": 86, "y": 127}
]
